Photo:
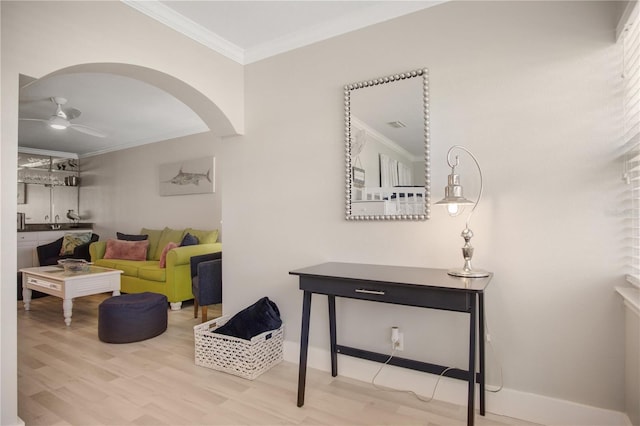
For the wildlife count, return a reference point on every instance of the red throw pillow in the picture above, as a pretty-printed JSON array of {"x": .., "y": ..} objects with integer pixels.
[
  {"x": 126, "y": 250},
  {"x": 165, "y": 250}
]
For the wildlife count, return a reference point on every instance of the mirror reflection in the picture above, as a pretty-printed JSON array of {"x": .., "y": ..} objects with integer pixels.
[
  {"x": 388, "y": 148},
  {"x": 47, "y": 187}
]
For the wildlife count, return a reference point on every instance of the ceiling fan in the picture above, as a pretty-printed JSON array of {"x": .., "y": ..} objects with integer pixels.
[{"x": 62, "y": 119}]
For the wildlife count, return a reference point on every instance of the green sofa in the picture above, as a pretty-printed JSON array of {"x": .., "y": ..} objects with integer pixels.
[{"x": 174, "y": 281}]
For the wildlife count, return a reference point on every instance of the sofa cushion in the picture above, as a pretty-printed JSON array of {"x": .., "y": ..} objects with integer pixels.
[
  {"x": 129, "y": 250},
  {"x": 106, "y": 263},
  {"x": 154, "y": 239},
  {"x": 168, "y": 236},
  {"x": 163, "y": 257},
  {"x": 128, "y": 267},
  {"x": 72, "y": 240},
  {"x": 131, "y": 237},
  {"x": 152, "y": 272},
  {"x": 204, "y": 237},
  {"x": 189, "y": 240}
]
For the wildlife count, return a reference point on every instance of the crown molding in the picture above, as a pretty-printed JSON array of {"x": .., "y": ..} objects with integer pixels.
[
  {"x": 187, "y": 27},
  {"x": 47, "y": 152},
  {"x": 185, "y": 132},
  {"x": 342, "y": 25},
  {"x": 335, "y": 27}
]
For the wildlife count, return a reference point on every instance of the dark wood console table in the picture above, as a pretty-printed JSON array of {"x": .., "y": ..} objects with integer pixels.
[{"x": 409, "y": 286}]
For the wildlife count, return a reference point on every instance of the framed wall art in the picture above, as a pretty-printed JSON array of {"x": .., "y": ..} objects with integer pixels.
[
  {"x": 358, "y": 177},
  {"x": 188, "y": 177}
]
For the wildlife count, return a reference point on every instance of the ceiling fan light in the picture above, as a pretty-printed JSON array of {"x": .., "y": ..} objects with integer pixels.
[{"x": 58, "y": 123}]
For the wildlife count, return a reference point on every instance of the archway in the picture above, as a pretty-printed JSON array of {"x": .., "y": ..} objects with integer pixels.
[
  {"x": 217, "y": 121},
  {"x": 209, "y": 112}
]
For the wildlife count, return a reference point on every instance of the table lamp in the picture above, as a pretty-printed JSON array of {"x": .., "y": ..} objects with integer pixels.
[{"x": 455, "y": 201}]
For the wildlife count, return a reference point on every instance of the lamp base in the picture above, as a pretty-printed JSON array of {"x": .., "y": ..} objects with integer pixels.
[{"x": 466, "y": 273}]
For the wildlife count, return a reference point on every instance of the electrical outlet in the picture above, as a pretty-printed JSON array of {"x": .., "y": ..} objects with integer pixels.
[
  {"x": 397, "y": 339},
  {"x": 394, "y": 334},
  {"x": 399, "y": 345}
]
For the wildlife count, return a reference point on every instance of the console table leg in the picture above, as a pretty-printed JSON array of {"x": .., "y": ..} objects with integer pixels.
[
  {"x": 332, "y": 335},
  {"x": 472, "y": 364},
  {"x": 304, "y": 345}
]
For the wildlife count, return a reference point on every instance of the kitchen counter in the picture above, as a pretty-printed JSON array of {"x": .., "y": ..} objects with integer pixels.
[{"x": 39, "y": 227}]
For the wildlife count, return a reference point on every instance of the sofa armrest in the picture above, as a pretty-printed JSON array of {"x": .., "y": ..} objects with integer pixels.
[
  {"x": 196, "y": 260},
  {"x": 97, "y": 250},
  {"x": 49, "y": 251},
  {"x": 207, "y": 285},
  {"x": 82, "y": 251},
  {"x": 182, "y": 255}
]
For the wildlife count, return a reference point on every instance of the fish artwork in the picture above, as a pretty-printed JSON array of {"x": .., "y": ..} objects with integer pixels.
[{"x": 183, "y": 178}]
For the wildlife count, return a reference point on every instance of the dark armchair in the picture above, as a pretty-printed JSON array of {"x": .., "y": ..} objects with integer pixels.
[
  {"x": 206, "y": 282},
  {"x": 49, "y": 254}
]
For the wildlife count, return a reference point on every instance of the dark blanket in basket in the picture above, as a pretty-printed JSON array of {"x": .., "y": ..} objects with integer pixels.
[{"x": 262, "y": 316}]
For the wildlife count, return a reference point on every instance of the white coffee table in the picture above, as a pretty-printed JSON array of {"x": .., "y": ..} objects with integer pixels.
[{"x": 53, "y": 280}]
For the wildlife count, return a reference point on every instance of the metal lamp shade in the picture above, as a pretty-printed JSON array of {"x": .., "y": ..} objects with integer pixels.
[{"x": 453, "y": 197}]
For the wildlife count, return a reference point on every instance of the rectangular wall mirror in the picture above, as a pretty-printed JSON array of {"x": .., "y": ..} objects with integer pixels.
[{"x": 387, "y": 147}]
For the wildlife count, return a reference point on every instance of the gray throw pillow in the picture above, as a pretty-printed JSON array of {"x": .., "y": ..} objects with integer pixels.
[
  {"x": 189, "y": 240},
  {"x": 131, "y": 237}
]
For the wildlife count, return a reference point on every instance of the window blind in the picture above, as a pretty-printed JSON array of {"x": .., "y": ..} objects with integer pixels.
[
  {"x": 629, "y": 36},
  {"x": 632, "y": 218}
]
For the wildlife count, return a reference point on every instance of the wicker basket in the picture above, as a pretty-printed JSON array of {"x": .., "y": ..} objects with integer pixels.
[{"x": 233, "y": 355}]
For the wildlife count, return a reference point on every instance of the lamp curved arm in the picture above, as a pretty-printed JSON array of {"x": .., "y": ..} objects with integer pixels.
[{"x": 475, "y": 160}]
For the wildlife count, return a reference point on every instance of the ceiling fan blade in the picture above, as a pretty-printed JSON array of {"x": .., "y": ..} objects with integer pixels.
[
  {"x": 88, "y": 130},
  {"x": 32, "y": 99},
  {"x": 34, "y": 119},
  {"x": 72, "y": 113}
]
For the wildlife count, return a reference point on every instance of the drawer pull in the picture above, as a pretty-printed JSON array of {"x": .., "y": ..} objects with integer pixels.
[{"x": 362, "y": 290}]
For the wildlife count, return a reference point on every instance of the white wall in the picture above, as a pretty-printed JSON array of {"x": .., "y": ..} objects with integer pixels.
[
  {"x": 532, "y": 89},
  {"x": 120, "y": 190},
  {"x": 632, "y": 363},
  {"x": 101, "y": 32}
]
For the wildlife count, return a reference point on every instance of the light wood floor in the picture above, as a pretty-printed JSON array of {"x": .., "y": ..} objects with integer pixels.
[{"x": 66, "y": 376}]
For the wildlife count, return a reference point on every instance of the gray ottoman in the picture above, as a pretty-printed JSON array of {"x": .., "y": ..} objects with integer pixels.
[{"x": 132, "y": 317}]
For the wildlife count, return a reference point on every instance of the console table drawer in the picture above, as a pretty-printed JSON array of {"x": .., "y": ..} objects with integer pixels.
[{"x": 409, "y": 295}]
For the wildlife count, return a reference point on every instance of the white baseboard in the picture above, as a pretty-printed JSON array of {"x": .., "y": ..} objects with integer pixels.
[
  {"x": 508, "y": 402},
  {"x": 551, "y": 411}
]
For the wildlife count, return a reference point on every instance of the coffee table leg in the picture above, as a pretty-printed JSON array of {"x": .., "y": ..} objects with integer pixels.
[
  {"x": 26, "y": 298},
  {"x": 67, "y": 306}
]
